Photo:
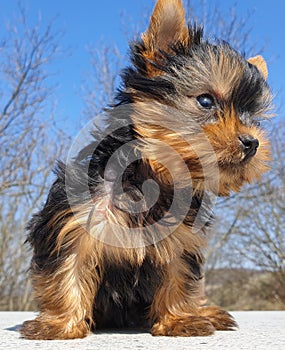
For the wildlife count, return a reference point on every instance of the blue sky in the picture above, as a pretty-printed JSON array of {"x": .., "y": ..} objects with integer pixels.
[{"x": 89, "y": 22}]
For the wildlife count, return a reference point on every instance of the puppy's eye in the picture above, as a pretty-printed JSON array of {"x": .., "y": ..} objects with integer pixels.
[{"x": 206, "y": 101}]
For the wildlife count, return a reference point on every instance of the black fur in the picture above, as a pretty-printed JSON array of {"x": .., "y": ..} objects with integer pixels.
[{"x": 125, "y": 295}]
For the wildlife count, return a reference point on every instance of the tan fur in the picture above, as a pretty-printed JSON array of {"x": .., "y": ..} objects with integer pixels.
[
  {"x": 159, "y": 247},
  {"x": 213, "y": 153},
  {"x": 167, "y": 27},
  {"x": 173, "y": 297},
  {"x": 261, "y": 65},
  {"x": 66, "y": 296},
  {"x": 223, "y": 136},
  {"x": 172, "y": 150}
]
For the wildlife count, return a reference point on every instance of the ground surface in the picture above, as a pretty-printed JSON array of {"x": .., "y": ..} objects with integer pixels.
[{"x": 257, "y": 330}]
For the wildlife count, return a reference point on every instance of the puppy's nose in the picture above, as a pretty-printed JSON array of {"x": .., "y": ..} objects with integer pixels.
[{"x": 248, "y": 145}]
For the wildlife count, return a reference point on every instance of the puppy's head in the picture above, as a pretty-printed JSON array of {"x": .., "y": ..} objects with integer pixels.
[{"x": 213, "y": 96}]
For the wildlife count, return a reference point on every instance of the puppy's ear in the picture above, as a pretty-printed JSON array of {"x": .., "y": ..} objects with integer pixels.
[
  {"x": 260, "y": 64},
  {"x": 167, "y": 27}
]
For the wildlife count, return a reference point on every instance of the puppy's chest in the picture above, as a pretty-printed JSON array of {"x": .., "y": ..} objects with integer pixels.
[
  {"x": 125, "y": 294},
  {"x": 125, "y": 283}
]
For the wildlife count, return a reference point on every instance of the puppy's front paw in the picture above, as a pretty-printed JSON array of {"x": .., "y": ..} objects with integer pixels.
[
  {"x": 219, "y": 318},
  {"x": 191, "y": 326},
  {"x": 42, "y": 329}
]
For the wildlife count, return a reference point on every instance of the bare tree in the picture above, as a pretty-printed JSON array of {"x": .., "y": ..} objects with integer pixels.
[
  {"x": 27, "y": 143},
  {"x": 252, "y": 234},
  {"x": 99, "y": 89},
  {"x": 261, "y": 232},
  {"x": 226, "y": 25}
]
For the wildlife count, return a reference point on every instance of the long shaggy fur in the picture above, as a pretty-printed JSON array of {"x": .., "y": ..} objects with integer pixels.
[{"x": 104, "y": 254}]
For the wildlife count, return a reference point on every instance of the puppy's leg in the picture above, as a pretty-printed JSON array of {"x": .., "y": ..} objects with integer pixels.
[
  {"x": 176, "y": 307},
  {"x": 65, "y": 285}
]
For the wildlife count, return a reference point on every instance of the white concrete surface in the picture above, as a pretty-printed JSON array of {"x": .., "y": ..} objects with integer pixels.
[{"x": 257, "y": 330}]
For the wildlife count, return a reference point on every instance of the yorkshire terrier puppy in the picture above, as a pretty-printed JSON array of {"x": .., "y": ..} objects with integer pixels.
[{"x": 120, "y": 239}]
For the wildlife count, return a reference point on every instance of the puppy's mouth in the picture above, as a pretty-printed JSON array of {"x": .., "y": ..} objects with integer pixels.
[
  {"x": 235, "y": 164},
  {"x": 241, "y": 154}
]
